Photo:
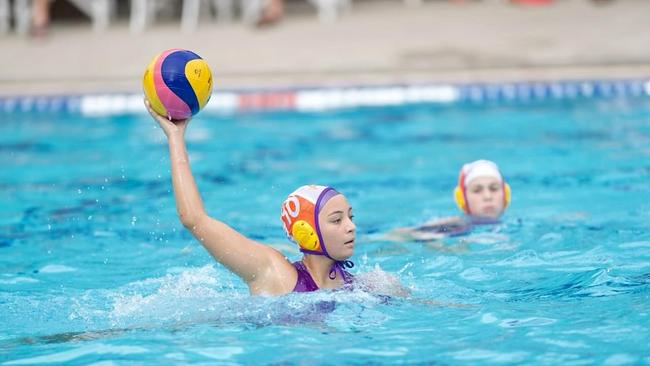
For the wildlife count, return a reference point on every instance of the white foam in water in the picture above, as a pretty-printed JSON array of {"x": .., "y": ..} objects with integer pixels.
[
  {"x": 177, "y": 297},
  {"x": 620, "y": 359},
  {"x": 483, "y": 354},
  {"x": 636, "y": 244},
  {"x": 525, "y": 258},
  {"x": 56, "y": 268},
  {"x": 199, "y": 295},
  {"x": 218, "y": 353},
  {"x": 176, "y": 356},
  {"x": 561, "y": 254},
  {"x": 102, "y": 233},
  {"x": 475, "y": 274},
  {"x": 382, "y": 282},
  {"x": 384, "y": 352},
  {"x": 551, "y": 238},
  {"x": 104, "y": 363},
  {"x": 17, "y": 280},
  {"x": 442, "y": 263},
  {"x": 177, "y": 270},
  {"x": 564, "y": 343},
  {"x": 487, "y": 238},
  {"x": 526, "y": 322},
  {"x": 488, "y": 318}
]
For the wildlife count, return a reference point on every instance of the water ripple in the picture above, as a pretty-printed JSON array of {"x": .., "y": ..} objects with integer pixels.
[
  {"x": 593, "y": 283},
  {"x": 79, "y": 352}
]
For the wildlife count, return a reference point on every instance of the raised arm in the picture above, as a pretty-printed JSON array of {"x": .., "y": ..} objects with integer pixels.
[{"x": 250, "y": 260}]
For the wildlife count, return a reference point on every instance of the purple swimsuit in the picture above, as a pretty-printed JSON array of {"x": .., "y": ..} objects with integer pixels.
[{"x": 305, "y": 283}]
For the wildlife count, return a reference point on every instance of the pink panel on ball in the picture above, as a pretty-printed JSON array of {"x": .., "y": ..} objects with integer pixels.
[{"x": 176, "y": 107}]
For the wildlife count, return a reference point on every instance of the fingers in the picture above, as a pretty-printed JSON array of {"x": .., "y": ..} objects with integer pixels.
[
  {"x": 165, "y": 123},
  {"x": 150, "y": 109}
]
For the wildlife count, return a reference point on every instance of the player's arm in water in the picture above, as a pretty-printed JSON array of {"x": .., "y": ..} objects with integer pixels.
[
  {"x": 431, "y": 230},
  {"x": 482, "y": 194},
  {"x": 263, "y": 268}
]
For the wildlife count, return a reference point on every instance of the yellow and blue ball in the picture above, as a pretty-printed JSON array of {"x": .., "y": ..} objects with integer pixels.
[{"x": 177, "y": 83}]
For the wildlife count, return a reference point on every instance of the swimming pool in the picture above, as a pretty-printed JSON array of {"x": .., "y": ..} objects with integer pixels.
[{"x": 96, "y": 268}]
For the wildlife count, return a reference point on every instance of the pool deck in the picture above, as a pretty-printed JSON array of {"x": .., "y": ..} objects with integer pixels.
[{"x": 378, "y": 42}]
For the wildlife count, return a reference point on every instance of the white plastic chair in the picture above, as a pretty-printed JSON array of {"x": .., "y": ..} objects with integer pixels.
[
  {"x": 22, "y": 16},
  {"x": 99, "y": 12},
  {"x": 330, "y": 10},
  {"x": 251, "y": 10},
  {"x": 143, "y": 13},
  {"x": 4, "y": 16},
  {"x": 191, "y": 12}
]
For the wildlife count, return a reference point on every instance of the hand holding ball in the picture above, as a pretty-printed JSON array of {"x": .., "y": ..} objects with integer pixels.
[{"x": 177, "y": 83}]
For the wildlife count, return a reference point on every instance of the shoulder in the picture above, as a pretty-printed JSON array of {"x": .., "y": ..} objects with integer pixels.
[{"x": 279, "y": 277}]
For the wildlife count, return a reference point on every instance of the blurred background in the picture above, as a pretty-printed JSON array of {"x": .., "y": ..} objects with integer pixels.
[{"x": 66, "y": 46}]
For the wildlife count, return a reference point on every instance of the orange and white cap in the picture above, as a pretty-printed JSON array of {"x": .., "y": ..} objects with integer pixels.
[{"x": 299, "y": 215}]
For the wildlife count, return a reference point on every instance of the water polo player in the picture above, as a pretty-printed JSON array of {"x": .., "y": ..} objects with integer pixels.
[
  {"x": 317, "y": 218},
  {"x": 482, "y": 194}
]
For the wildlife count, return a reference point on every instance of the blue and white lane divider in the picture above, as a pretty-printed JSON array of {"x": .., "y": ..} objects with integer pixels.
[{"x": 314, "y": 99}]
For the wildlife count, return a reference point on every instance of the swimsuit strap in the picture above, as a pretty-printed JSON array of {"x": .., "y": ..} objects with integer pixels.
[
  {"x": 304, "y": 282},
  {"x": 339, "y": 266}
]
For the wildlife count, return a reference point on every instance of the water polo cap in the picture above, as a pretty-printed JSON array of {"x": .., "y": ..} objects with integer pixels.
[
  {"x": 475, "y": 169},
  {"x": 299, "y": 215}
]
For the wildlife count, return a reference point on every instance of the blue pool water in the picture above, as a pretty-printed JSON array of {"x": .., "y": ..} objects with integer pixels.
[{"x": 96, "y": 268}]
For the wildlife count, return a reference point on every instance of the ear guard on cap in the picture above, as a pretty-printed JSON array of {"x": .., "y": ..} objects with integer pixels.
[
  {"x": 506, "y": 195},
  {"x": 459, "y": 193},
  {"x": 305, "y": 235},
  {"x": 459, "y": 197}
]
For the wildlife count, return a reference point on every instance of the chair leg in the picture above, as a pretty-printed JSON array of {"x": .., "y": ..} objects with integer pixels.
[
  {"x": 345, "y": 5},
  {"x": 413, "y": 2},
  {"x": 101, "y": 10},
  {"x": 23, "y": 16},
  {"x": 4, "y": 16},
  {"x": 139, "y": 15},
  {"x": 224, "y": 10},
  {"x": 190, "y": 15},
  {"x": 251, "y": 10},
  {"x": 328, "y": 10},
  {"x": 112, "y": 4}
]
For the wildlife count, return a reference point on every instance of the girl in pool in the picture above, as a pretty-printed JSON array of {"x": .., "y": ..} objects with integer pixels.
[
  {"x": 317, "y": 218},
  {"x": 481, "y": 193}
]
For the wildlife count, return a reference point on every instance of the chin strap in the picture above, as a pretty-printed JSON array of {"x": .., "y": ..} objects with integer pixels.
[{"x": 340, "y": 266}]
